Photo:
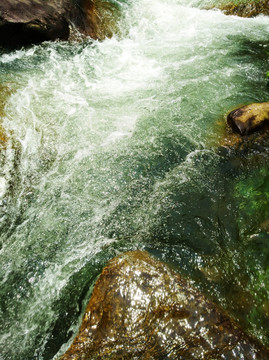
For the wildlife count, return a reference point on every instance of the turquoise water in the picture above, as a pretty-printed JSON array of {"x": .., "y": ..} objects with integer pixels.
[{"x": 116, "y": 145}]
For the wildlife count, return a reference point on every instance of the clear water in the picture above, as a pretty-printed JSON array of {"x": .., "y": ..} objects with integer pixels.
[{"x": 115, "y": 145}]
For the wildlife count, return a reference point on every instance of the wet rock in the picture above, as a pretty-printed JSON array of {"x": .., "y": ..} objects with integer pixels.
[
  {"x": 250, "y": 9},
  {"x": 249, "y": 118},
  {"x": 141, "y": 309},
  {"x": 33, "y": 21}
]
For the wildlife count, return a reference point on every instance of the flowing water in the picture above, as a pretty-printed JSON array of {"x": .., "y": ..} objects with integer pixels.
[{"x": 116, "y": 145}]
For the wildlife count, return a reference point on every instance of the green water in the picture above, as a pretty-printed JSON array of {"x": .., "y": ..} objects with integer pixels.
[{"x": 114, "y": 146}]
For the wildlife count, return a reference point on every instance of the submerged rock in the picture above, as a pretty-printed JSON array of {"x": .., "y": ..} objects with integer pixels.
[
  {"x": 141, "y": 309},
  {"x": 249, "y": 9},
  {"x": 33, "y": 21},
  {"x": 249, "y": 118}
]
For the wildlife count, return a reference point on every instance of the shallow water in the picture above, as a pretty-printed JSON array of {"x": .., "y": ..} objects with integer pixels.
[{"x": 115, "y": 145}]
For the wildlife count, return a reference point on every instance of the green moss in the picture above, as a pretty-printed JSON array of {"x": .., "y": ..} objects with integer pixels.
[{"x": 253, "y": 197}]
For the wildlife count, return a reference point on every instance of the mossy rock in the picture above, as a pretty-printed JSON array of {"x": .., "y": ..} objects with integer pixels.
[
  {"x": 141, "y": 309},
  {"x": 244, "y": 8}
]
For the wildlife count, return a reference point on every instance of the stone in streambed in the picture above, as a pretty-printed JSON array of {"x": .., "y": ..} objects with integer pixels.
[
  {"x": 141, "y": 309},
  {"x": 249, "y": 118}
]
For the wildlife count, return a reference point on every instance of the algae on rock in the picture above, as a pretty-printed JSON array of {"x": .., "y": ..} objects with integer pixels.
[
  {"x": 141, "y": 309},
  {"x": 241, "y": 8}
]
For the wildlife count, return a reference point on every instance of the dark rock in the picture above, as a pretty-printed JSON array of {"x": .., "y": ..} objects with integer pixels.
[
  {"x": 24, "y": 22},
  {"x": 249, "y": 118},
  {"x": 141, "y": 309}
]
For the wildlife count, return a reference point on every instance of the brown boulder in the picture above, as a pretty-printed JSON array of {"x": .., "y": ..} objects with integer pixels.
[
  {"x": 249, "y": 118},
  {"x": 33, "y": 21},
  {"x": 141, "y": 309}
]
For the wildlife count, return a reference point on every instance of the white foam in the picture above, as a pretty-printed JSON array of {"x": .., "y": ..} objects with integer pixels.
[{"x": 3, "y": 187}]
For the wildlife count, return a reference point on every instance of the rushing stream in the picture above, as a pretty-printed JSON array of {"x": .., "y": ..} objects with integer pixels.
[{"x": 116, "y": 145}]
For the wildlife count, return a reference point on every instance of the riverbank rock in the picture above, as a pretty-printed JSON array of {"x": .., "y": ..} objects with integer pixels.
[
  {"x": 249, "y": 9},
  {"x": 141, "y": 309},
  {"x": 249, "y": 118},
  {"x": 33, "y": 21}
]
